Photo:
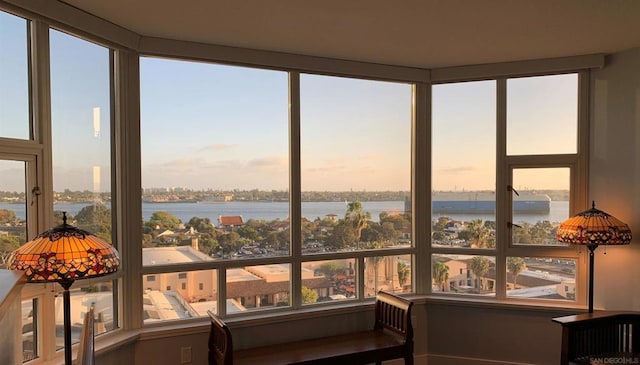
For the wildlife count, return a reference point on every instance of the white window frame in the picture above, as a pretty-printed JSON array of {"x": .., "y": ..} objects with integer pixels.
[{"x": 505, "y": 164}]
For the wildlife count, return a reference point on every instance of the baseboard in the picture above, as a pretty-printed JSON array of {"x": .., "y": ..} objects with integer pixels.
[{"x": 457, "y": 360}]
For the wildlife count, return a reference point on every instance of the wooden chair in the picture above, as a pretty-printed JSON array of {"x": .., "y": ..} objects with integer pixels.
[
  {"x": 597, "y": 335},
  {"x": 220, "y": 342}
]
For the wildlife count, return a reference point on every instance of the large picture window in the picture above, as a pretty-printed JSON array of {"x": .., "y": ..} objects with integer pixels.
[
  {"x": 503, "y": 185},
  {"x": 216, "y": 190}
]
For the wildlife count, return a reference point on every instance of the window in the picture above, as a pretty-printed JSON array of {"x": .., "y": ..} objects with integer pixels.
[
  {"x": 273, "y": 190},
  {"x": 481, "y": 209},
  {"x": 216, "y": 191},
  {"x": 81, "y": 123},
  {"x": 15, "y": 105}
]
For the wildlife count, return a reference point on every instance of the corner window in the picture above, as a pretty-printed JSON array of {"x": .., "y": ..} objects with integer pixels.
[{"x": 503, "y": 180}]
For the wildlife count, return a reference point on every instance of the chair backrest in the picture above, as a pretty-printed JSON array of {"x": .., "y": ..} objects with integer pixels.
[
  {"x": 86, "y": 346},
  {"x": 220, "y": 342},
  {"x": 393, "y": 313},
  {"x": 599, "y": 334}
]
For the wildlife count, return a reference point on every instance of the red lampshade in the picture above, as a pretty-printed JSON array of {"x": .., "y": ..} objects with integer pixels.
[
  {"x": 594, "y": 227},
  {"x": 65, "y": 253}
]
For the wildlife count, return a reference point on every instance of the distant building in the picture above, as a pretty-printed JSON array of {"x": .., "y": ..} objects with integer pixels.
[
  {"x": 188, "y": 294},
  {"x": 230, "y": 221}
]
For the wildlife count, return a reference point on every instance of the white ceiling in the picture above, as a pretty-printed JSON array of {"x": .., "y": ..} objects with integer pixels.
[{"x": 419, "y": 33}]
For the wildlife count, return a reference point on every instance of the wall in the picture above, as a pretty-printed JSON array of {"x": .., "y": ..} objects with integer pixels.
[
  {"x": 11, "y": 283},
  {"x": 615, "y": 175}
]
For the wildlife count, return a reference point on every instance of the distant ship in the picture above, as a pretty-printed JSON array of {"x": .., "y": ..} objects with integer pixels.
[{"x": 484, "y": 202}]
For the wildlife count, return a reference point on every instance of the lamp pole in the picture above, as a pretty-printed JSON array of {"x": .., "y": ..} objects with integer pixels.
[
  {"x": 591, "y": 248},
  {"x": 66, "y": 301}
]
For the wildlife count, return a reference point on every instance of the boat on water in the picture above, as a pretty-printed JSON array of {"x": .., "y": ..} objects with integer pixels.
[{"x": 484, "y": 202}]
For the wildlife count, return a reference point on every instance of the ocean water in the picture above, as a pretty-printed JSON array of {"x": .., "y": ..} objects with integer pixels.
[{"x": 280, "y": 210}]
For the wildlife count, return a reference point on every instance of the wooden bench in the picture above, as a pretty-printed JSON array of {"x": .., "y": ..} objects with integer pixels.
[
  {"x": 390, "y": 338},
  {"x": 598, "y": 335}
]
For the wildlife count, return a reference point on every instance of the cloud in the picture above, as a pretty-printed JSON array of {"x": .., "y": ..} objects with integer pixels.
[
  {"x": 184, "y": 163},
  {"x": 216, "y": 147},
  {"x": 457, "y": 169},
  {"x": 272, "y": 161}
]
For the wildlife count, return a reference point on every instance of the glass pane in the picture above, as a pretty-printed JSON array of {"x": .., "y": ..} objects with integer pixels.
[
  {"x": 81, "y": 154},
  {"x": 463, "y": 201},
  {"x": 464, "y": 274},
  {"x": 541, "y": 277},
  {"x": 388, "y": 273},
  {"x": 100, "y": 295},
  {"x": 356, "y": 163},
  {"x": 15, "y": 118},
  {"x": 542, "y": 115},
  {"x": 29, "y": 329},
  {"x": 329, "y": 280},
  {"x": 541, "y": 205},
  {"x": 258, "y": 287},
  {"x": 175, "y": 295},
  {"x": 12, "y": 208},
  {"x": 214, "y": 158}
]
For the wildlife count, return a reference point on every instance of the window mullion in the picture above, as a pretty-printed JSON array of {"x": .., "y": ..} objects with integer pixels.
[
  {"x": 421, "y": 189},
  {"x": 295, "y": 200},
  {"x": 503, "y": 197}
]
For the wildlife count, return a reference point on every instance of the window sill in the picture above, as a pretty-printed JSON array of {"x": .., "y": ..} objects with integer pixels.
[{"x": 506, "y": 304}]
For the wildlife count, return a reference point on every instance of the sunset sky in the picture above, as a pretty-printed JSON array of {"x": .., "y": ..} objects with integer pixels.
[{"x": 226, "y": 127}]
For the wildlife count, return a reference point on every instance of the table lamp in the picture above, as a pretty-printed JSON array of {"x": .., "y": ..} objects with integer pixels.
[
  {"x": 65, "y": 254},
  {"x": 593, "y": 228}
]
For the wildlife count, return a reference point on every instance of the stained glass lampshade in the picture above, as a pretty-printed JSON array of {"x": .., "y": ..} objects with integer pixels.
[
  {"x": 64, "y": 254},
  {"x": 593, "y": 228}
]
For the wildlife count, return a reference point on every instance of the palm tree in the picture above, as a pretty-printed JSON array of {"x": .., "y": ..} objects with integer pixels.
[
  {"x": 479, "y": 233},
  {"x": 440, "y": 273},
  {"x": 357, "y": 218},
  {"x": 479, "y": 267},
  {"x": 515, "y": 265},
  {"x": 375, "y": 261},
  {"x": 403, "y": 273}
]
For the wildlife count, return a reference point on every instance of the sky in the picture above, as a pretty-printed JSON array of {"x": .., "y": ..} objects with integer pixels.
[{"x": 209, "y": 126}]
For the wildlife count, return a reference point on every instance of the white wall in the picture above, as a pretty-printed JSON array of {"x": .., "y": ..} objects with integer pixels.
[{"x": 615, "y": 176}]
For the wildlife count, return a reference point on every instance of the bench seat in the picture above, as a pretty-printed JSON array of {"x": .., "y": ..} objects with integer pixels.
[
  {"x": 390, "y": 338},
  {"x": 355, "y": 348}
]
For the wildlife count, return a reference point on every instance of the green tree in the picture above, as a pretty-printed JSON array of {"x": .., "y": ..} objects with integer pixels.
[
  {"x": 249, "y": 233},
  {"x": 357, "y": 218},
  {"x": 96, "y": 219},
  {"x": 375, "y": 262},
  {"x": 8, "y": 244},
  {"x": 479, "y": 267},
  {"x": 163, "y": 220},
  {"x": 309, "y": 295},
  {"x": 230, "y": 242},
  {"x": 7, "y": 216},
  {"x": 479, "y": 233},
  {"x": 404, "y": 271},
  {"x": 330, "y": 268},
  {"x": 440, "y": 274},
  {"x": 343, "y": 236},
  {"x": 515, "y": 265}
]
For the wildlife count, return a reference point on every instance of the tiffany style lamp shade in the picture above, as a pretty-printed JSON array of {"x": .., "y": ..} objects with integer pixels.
[
  {"x": 65, "y": 254},
  {"x": 593, "y": 228}
]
